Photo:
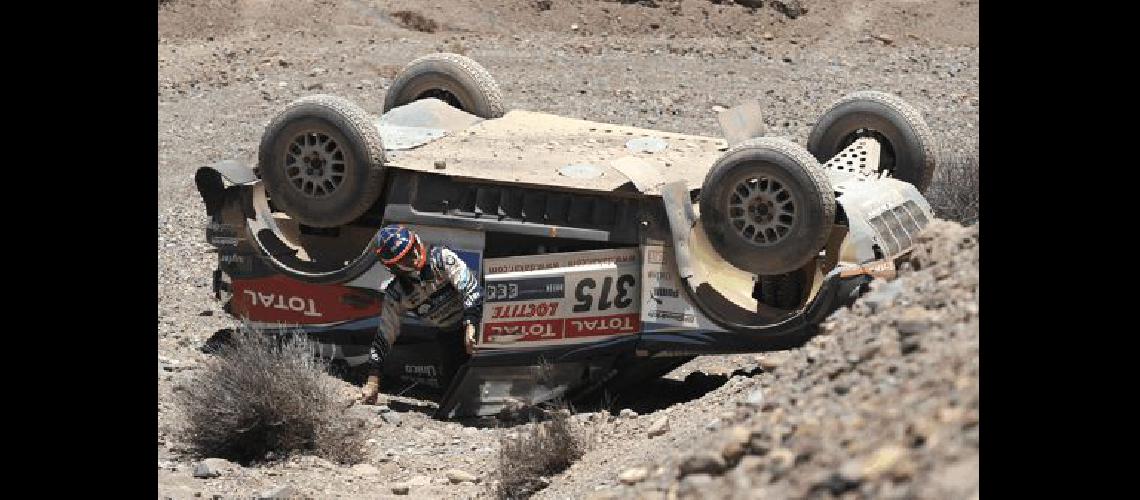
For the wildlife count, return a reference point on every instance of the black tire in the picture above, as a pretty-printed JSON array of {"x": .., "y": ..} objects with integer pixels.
[
  {"x": 452, "y": 78},
  {"x": 784, "y": 291},
  {"x": 767, "y": 206},
  {"x": 907, "y": 143},
  {"x": 304, "y": 132}
]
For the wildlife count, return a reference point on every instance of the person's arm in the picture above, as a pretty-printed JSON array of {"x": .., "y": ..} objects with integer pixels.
[
  {"x": 391, "y": 311},
  {"x": 467, "y": 284}
]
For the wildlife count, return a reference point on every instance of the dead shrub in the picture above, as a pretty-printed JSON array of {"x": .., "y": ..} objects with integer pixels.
[
  {"x": 264, "y": 393},
  {"x": 415, "y": 21},
  {"x": 528, "y": 457},
  {"x": 954, "y": 194}
]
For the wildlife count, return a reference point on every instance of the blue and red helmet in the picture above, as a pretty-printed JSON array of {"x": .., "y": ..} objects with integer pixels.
[{"x": 398, "y": 247}]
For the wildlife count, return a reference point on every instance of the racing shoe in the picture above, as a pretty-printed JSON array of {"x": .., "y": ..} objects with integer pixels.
[{"x": 371, "y": 389}]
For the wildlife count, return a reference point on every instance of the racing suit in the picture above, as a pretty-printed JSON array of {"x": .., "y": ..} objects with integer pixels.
[{"x": 445, "y": 293}]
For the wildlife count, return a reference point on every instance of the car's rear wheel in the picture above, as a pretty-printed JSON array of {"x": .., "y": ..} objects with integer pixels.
[
  {"x": 767, "y": 206},
  {"x": 907, "y": 146},
  {"x": 322, "y": 161},
  {"x": 457, "y": 80}
]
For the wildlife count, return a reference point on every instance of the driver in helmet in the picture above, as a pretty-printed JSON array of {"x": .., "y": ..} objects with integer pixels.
[{"x": 432, "y": 283}]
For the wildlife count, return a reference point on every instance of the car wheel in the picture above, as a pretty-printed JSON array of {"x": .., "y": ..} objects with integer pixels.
[
  {"x": 452, "y": 78},
  {"x": 766, "y": 206},
  {"x": 322, "y": 161},
  {"x": 907, "y": 151}
]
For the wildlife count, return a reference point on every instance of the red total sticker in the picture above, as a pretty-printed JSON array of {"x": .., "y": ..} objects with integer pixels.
[
  {"x": 602, "y": 325},
  {"x": 282, "y": 299},
  {"x": 522, "y": 331}
]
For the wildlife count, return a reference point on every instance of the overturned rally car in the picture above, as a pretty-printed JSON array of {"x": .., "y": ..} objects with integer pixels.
[{"x": 608, "y": 254}]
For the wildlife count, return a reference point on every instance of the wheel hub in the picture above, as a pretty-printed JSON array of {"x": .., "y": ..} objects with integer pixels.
[
  {"x": 315, "y": 164},
  {"x": 762, "y": 210}
]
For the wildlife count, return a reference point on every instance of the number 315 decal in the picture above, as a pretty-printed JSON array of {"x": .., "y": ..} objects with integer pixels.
[{"x": 585, "y": 290}]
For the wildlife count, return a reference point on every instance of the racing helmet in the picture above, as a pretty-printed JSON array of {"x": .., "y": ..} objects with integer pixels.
[{"x": 400, "y": 249}]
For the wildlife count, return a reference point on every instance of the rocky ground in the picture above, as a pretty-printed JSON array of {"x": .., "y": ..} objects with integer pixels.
[{"x": 884, "y": 404}]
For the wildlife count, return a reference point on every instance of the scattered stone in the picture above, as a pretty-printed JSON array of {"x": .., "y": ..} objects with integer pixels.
[
  {"x": 782, "y": 458},
  {"x": 458, "y": 476},
  {"x": 392, "y": 418},
  {"x": 889, "y": 460},
  {"x": 283, "y": 491},
  {"x": 885, "y": 38},
  {"x": 883, "y": 294},
  {"x": 634, "y": 475},
  {"x": 705, "y": 461},
  {"x": 214, "y": 467},
  {"x": 755, "y": 398},
  {"x": 400, "y": 488},
  {"x": 659, "y": 427},
  {"x": 203, "y": 471},
  {"x": 755, "y": 4},
  {"x": 627, "y": 413},
  {"x": 419, "y": 481},
  {"x": 912, "y": 321},
  {"x": 790, "y": 8},
  {"x": 365, "y": 470},
  {"x": 440, "y": 164},
  {"x": 736, "y": 439},
  {"x": 574, "y": 27}
]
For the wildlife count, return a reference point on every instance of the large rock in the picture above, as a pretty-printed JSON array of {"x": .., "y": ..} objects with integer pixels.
[
  {"x": 214, "y": 467},
  {"x": 703, "y": 462},
  {"x": 659, "y": 427},
  {"x": 634, "y": 475},
  {"x": 459, "y": 476}
]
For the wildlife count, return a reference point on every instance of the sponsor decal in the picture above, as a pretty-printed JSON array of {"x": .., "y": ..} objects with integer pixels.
[
  {"x": 299, "y": 304},
  {"x": 425, "y": 370},
  {"x": 225, "y": 240},
  {"x": 683, "y": 317},
  {"x": 553, "y": 287},
  {"x": 603, "y": 325},
  {"x": 279, "y": 299},
  {"x": 562, "y": 296},
  {"x": 540, "y": 309},
  {"x": 522, "y": 331}
]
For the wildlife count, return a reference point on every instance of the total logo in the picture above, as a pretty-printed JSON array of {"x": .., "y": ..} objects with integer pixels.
[{"x": 305, "y": 306}]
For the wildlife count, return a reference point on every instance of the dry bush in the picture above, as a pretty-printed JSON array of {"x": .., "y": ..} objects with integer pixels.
[
  {"x": 266, "y": 393},
  {"x": 954, "y": 192},
  {"x": 527, "y": 458},
  {"x": 415, "y": 21}
]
